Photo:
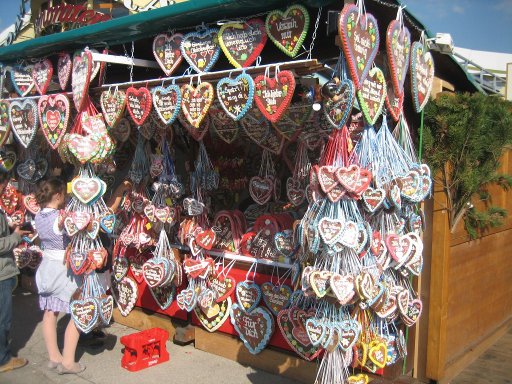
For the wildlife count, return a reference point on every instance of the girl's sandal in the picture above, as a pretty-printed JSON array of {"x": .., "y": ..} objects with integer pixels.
[{"x": 63, "y": 370}]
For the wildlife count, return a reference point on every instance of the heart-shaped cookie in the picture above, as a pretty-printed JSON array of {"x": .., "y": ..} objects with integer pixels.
[
  {"x": 254, "y": 328},
  {"x": 23, "y": 119},
  {"x": 360, "y": 41},
  {"x": 276, "y": 298},
  {"x": 5, "y": 124},
  {"x": 242, "y": 43},
  {"x": 236, "y": 95},
  {"x": 64, "y": 65},
  {"x": 167, "y": 52},
  {"x": 422, "y": 75},
  {"x": 273, "y": 95},
  {"x": 42, "y": 74},
  {"x": 218, "y": 319},
  {"x": 84, "y": 313},
  {"x": 372, "y": 95},
  {"x": 127, "y": 293},
  {"x": 338, "y": 106},
  {"x": 248, "y": 295},
  {"x": 195, "y": 102},
  {"x": 167, "y": 102},
  {"x": 288, "y": 29},
  {"x": 201, "y": 49},
  {"x": 163, "y": 296},
  {"x": 54, "y": 117},
  {"x": 81, "y": 77},
  {"x": 261, "y": 189},
  {"x": 398, "y": 48},
  {"x": 138, "y": 103},
  {"x": 224, "y": 126},
  {"x": 113, "y": 105},
  {"x": 22, "y": 80}
]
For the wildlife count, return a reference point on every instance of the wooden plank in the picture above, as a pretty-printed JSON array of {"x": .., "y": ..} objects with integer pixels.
[
  {"x": 141, "y": 320},
  {"x": 438, "y": 301},
  {"x": 270, "y": 360}
]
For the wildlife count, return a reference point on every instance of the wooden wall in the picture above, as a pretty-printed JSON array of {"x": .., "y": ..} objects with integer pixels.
[{"x": 470, "y": 300}]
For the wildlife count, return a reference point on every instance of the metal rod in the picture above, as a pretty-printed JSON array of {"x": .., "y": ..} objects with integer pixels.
[{"x": 124, "y": 60}]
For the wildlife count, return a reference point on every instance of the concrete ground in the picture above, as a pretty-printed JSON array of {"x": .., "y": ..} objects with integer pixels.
[{"x": 187, "y": 365}]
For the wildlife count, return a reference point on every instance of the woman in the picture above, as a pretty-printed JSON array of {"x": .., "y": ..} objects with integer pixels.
[{"x": 55, "y": 283}]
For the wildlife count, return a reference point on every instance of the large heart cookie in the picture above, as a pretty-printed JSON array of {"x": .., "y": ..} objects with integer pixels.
[
  {"x": 54, "y": 117},
  {"x": 138, "y": 103},
  {"x": 236, "y": 95},
  {"x": 42, "y": 74},
  {"x": 288, "y": 29},
  {"x": 22, "y": 80},
  {"x": 64, "y": 65},
  {"x": 242, "y": 43},
  {"x": 372, "y": 94},
  {"x": 81, "y": 78},
  {"x": 113, "y": 105},
  {"x": 23, "y": 118},
  {"x": 201, "y": 49},
  {"x": 398, "y": 48},
  {"x": 166, "y": 50},
  {"x": 422, "y": 75},
  {"x": 167, "y": 102},
  {"x": 196, "y": 102},
  {"x": 254, "y": 329},
  {"x": 273, "y": 96}
]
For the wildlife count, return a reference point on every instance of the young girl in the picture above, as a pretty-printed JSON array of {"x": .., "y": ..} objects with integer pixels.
[{"x": 55, "y": 282}]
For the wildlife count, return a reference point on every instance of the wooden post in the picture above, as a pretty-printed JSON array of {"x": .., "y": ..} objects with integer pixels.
[{"x": 438, "y": 302}]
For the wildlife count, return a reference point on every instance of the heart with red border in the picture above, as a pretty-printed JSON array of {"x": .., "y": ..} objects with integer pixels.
[
  {"x": 127, "y": 293},
  {"x": 30, "y": 203},
  {"x": 5, "y": 125},
  {"x": 353, "y": 178},
  {"x": 64, "y": 65},
  {"x": 398, "y": 47},
  {"x": 187, "y": 299},
  {"x": 224, "y": 286},
  {"x": 338, "y": 105},
  {"x": 223, "y": 125},
  {"x": 167, "y": 52},
  {"x": 137, "y": 260},
  {"x": 54, "y": 117},
  {"x": 206, "y": 239},
  {"x": 195, "y": 102},
  {"x": 288, "y": 29},
  {"x": 23, "y": 119},
  {"x": 273, "y": 95},
  {"x": 399, "y": 247},
  {"x": 42, "y": 72},
  {"x": 394, "y": 102},
  {"x": 242, "y": 43},
  {"x": 372, "y": 95},
  {"x": 261, "y": 189},
  {"x": 373, "y": 198},
  {"x": 216, "y": 321},
  {"x": 81, "y": 77},
  {"x": 302, "y": 346},
  {"x": 167, "y": 102},
  {"x": 22, "y": 80},
  {"x": 360, "y": 41},
  {"x": 422, "y": 75},
  {"x": 201, "y": 49},
  {"x": 255, "y": 328},
  {"x": 113, "y": 106},
  {"x": 326, "y": 177},
  {"x": 138, "y": 103},
  {"x": 276, "y": 298}
]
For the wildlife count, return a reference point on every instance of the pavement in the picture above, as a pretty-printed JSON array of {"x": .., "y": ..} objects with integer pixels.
[{"x": 187, "y": 365}]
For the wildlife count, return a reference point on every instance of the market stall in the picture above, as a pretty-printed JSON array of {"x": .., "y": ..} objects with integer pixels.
[{"x": 246, "y": 175}]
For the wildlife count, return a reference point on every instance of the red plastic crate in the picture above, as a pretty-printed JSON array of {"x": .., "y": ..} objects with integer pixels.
[{"x": 144, "y": 349}]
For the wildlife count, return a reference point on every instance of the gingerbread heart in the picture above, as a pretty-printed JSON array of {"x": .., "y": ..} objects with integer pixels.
[
  {"x": 254, "y": 328},
  {"x": 113, "y": 106},
  {"x": 296, "y": 335},
  {"x": 81, "y": 78},
  {"x": 223, "y": 286},
  {"x": 5, "y": 125},
  {"x": 54, "y": 117},
  {"x": 84, "y": 148},
  {"x": 127, "y": 293},
  {"x": 84, "y": 313},
  {"x": 216, "y": 321},
  {"x": 422, "y": 75},
  {"x": 261, "y": 189},
  {"x": 338, "y": 106},
  {"x": 223, "y": 125},
  {"x": 23, "y": 119},
  {"x": 163, "y": 296},
  {"x": 64, "y": 65},
  {"x": 138, "y": 103},
  {"x": 236, "y": 95},
  {"x": 273, "y": 96},
  {"x": 22, "y": 80},
  {"x": 398, "y": 48},
  {"x": 288, "y": 29},
  {"x": 276, "y": 298},
  {"x": 242, "y": 43},
  {"x": 196, "y": 102},
  {"x": 360, "y": 41},
  {"x": 42, "y": 74},
  {"x": 248, "y": 295},
  {"x": 87, "y": 189},
  {"x": 201, "y": 49},
  {"x": 167, "y": 102},
  {"x": 372, "y": 95},
  {"x": 166, "y": 50}
]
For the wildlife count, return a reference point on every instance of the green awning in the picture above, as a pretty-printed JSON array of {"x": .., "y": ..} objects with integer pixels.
[{"x": 142, "y": 25}]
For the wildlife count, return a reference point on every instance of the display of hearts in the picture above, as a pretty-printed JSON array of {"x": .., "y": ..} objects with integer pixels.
[
  {"x": 5, "y": 125},
  {"x": 273, "y": 96},
  {"x": 288, "y": 29},
  {"x": 218, "y": 318},
  {"x": 360, "y": 40},
  {"x": 242, "y": 43},
  {"x": 295, "y": 333},
  {"x": 201, "y": 49},
  {"x": 42, "y": 72},
  {"x": 23, "y": 119},
  {"x": 22, "y": 80},
  {"x": 138, "y": 103},
  {"x": 254, "y": 328},
  {"x": 54, "y": 117},
  {"x": 196, "y": 102},
  {"x": 84, "y": 313},
  {"x": 398, "y": 47},
  {"x": 127, "y": 292},
  {"x": 422, "y": 75},
  {"x": 167, "y": 52},
  {"x": 236, "y": 95},
  {"x": 338, "y": 106},
  {"x": 81, "y": 78},
  {"x": 113, "y": 106},
  {"x": 167, "y": 102},
  {"x": 372, "y": 95},
  {"x": 64, "y": 65}
]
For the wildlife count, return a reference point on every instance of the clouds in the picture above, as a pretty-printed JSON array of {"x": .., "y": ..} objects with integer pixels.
[{"x": 505, "y": 7}]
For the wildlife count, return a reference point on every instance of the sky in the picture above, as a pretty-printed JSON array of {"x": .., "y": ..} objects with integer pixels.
[{"x": 484, "y": 25}]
